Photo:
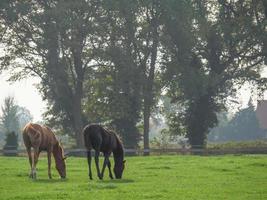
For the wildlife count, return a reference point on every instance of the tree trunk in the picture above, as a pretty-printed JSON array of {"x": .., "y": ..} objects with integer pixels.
[
  {"x": 146, "y": 128},
  {"x": 200, "y": 118},
  {"x": 78, "y": 93},
  {"x": 77, "y": 121},
  {"x": 148, "y": 88}
]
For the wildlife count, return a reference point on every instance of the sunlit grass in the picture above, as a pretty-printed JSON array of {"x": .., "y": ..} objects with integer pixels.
[{"x": 162, "y": 177}]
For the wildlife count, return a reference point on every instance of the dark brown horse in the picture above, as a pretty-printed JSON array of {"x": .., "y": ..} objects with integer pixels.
[
  {"x": 41, "y": 138},
  {"x": 102, "y": 140}
]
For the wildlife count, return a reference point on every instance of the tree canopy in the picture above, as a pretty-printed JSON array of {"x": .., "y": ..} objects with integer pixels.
[{"x": 110, "y": 61}]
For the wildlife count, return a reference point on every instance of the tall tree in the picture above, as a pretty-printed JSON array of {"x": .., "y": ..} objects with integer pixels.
[
  {"x": 51, "y": 39},
  {"x": 207, "y": 52},
  {"x": 150, "y": 91},
  {"x": 129, "y": 53},
  {"x": 122, "y": 97},
  {"x": 9, "y": 120}
]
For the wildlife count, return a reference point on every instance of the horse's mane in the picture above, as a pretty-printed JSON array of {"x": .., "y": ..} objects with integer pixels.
[
  {"x": 118, "y": 140},
  {"x": 117, "y": 136},
  {"x": 120, "y": 150},
  {"x": 56, "y": 152},
  {"x": 60, "y": 147}
]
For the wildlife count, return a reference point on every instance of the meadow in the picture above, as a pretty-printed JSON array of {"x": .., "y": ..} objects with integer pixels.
[{"x": 153, "y": 177}]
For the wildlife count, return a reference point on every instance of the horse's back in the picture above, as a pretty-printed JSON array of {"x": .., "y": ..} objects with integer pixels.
[
  {"x": 31, "y": 135},
  {"x": 92, "y": 136},
  {"x": 49, "y": 136},
  {"x": 97, "y": 137},
  {"x": 35, "y": 135}
]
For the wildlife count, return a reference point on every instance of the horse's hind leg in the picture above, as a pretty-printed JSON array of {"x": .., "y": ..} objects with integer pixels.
[
  {"x": 89, "y": 158},
  {"x": 35, "y": 160},
  {"x": 97, "y": 152},
  {"x": 30, "y": 160}
]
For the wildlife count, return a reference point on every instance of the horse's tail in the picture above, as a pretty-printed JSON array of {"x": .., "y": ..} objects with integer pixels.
[
  {"x": 30, "y": 134},
  {"x": 87, "y": 140},
  {"x": 26, "y": 138}
]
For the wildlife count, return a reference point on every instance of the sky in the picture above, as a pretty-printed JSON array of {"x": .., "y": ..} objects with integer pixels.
[{"x": 26, "y": 95}]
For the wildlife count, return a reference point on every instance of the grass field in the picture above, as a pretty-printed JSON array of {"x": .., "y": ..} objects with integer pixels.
[{"x": 155, "y": 177}]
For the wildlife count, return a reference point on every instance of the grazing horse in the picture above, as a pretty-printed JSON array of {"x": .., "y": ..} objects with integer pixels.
[
  {"x": 41, "y": 138},
  {"x": 101, "y": 140}
]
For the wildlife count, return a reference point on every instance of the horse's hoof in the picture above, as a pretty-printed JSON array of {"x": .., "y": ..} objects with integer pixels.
[
  {"x": 90, "y": 176},
  {"x": 34, "y": 176}
]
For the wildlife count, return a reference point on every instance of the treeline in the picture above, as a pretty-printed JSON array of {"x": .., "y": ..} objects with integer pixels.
[
  {"x": 243, "y": 126},
  {"x": 12, "y": 120},
  {"x": 112, "y": 61}
]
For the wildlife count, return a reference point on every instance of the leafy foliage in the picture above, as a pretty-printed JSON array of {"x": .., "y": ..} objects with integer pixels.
[
  {"x": 109, "y": 61},
  {"x": 203, "y": 60},
  {"x": 9, "y": 119},
  {"x": 13, "y": 118}
]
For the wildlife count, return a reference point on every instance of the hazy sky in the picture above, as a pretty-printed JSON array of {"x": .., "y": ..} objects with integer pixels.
[{"x": 25, "y": 94}]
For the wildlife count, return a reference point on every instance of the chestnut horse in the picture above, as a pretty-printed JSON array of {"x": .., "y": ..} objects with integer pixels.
[
  {"x": 101, "y": 140},
  {"x": 41, "y": 138}
]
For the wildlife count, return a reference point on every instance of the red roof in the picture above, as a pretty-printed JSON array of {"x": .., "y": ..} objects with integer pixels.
[{"x": 261, "y": 113}]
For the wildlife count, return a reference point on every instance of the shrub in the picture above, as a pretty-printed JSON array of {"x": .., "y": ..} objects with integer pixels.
[{"x": 11, "y": 146}]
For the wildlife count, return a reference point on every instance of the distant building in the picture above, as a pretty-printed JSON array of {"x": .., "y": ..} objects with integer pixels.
[{"x": 261, "y": 113}]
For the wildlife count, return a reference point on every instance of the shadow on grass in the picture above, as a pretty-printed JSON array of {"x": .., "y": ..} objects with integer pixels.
[
  {"x": 54, "y": 180},
  {"x": 102, "y": 187},
  {"x": 257, "y": 164},
  {"x": 22, "y": 175},
  {"x": 108, "y": 184},
  {"x": 116, "y": 181},
  {"x": 159, "y": 167},
  {"x": 217, "y": 169}
]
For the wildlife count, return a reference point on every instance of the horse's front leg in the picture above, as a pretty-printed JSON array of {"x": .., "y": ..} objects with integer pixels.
[
  {"x": 109, "y": 169},
  {"x": 49, "y": 163},
  {"x": 104, "y": 164},
  {"x": 107, "y": 163},
  {"x": 89, "y": 158},
  {"x": 97, "y": 152}
]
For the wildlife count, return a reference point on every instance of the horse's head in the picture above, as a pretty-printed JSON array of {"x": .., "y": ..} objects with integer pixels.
[
  {"x": 60, "y": 160},
  {"x": 118, "y": 168}
]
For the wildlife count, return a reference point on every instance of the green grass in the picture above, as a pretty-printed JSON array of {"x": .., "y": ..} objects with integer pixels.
[{"x": 156, "y": 177}]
